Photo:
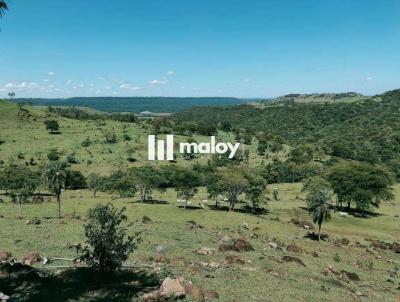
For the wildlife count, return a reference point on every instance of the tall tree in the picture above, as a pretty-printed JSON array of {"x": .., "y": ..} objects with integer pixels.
[
  {"x": 186, "y": 182},
  {"x": 146, "y": 179},
  {"x": 318, "y": 204},
  {"x": 255, "y": 189},
  {"x": 56, "y": 175},
  {"x": 233, "y": 183}
]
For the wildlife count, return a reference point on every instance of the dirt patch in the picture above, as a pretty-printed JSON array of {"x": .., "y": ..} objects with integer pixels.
[{"x": 4, "y": 255}]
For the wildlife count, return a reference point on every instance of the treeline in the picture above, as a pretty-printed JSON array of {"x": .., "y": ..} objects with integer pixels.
[
  {"x": 367, "y": 131},
  {"x": 227, "y": 181},
  {"x": 80, "y": 114}
]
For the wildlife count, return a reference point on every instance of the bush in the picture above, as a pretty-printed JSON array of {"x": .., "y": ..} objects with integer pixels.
[
  {"x": 107, "y": 244},
  {"x": 75, "y": 180},
  {"x": 53, "y": 155},
  {"x": 86, "y": 143}
]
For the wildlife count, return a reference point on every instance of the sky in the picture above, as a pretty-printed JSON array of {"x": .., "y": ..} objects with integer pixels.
[{"x": 252, "y": 48}]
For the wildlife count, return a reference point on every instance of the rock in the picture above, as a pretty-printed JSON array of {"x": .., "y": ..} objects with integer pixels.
[
  {"x": 194, "y": 292},
  {"x": 349, "y": 276},
  {"x": 342, "y": 241},
  {"x": 226, "y": 238},
  {"x": 245, "y": 225},
  {"x": 194, "y": 225},
  {"x": 153, "y": 296},
  {"x": 302, "y": 223},
  {"x": 234, "y": 259},
  {"x": 210, "y": 294},
  {"x": 34, "y": 221},
  {"x": 4, "y": 297},
  {"x": 31, "y": 258},
  {"x": 172, "y": 288},
  {"x": 205, "y": 251},
  {"x": 294, "y": 248},
  {"x": 210, "y": 265},
  {"x": 160, "y": 249},
  {"x": 4, "y": 255},
  {"x": 293, "y": 259},
  {"x": 238, "y": 245},
  {"x": 146, "y": 219},
  {"x": 273, "y": 245}
]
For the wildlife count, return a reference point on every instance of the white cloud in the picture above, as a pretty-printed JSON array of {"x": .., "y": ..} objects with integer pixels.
[
  {"x": 170, "y": 72},
  {"x": 51, "y": 73},
  {"x": 21, "y": 86},
  {"x": 158, "y": 82},
  {"x": 247, "y": 80},
  {"x": 129, "y": 87},
  {"x": 368, "y": 79}
]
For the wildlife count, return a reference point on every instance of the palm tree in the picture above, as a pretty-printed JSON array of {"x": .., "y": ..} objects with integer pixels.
[
  {"x": 3, "y": 7},
  {"x": 319, "y": 207},
  {"x": 56, "y": 174}
]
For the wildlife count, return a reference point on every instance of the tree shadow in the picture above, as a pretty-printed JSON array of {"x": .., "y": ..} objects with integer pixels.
[
  {"x": 190, "y": 207},
  {"x": 245, "y": 209},
  {"x": 314, "y": 236},
  {"x": 28, "y": 284}
]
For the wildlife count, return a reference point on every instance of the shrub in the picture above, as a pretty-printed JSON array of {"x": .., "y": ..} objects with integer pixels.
[
  {"x": 86, "y": 143},
  {"x": 107, "y": 244},
  {"x": 75, "y": 180},
  {"x": 53, "y": 155}
]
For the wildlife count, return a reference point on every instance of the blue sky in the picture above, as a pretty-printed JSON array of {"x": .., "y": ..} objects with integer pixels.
[{"x": 59, "y": 48}]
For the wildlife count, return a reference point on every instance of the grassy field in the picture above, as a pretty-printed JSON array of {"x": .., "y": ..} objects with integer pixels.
[{"x": 262, "y": 276}]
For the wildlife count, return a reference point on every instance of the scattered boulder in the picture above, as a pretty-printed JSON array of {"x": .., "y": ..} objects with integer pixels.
[
  {"x": 302, "y": 224},
  {"x": 4, "y": 297},
  {"x": 34, "y": 221},
  {"x": 294, "y": 248},
  {"x": 344, "y": 275},
  {"x": 193, "y": 225},
  {"x": 273, "y": 244},
  {"x": 172, "y": 288},
  {"x": 4, "y": 255},
  {"x": 226, "y": 238},
  {"x": 231, "y": 259},
  {"x": 31, "y": 258},
  {"x": 342, "y": 241},
  {"x": 237, "y": 245},
  {"x": 205, "y": 251},
  {"x": 160, "y": 249},
  {"x": 394, "y": 247},
  {"x": 195, "y": 292},
  {"x": 293, "y": 259}
]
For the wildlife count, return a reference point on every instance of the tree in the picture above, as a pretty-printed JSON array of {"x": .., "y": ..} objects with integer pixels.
[
  {"x": 145, "y": 178},
  {"x": 56, "y": 175},
  {"x": 318, "y": 204},
  {"x": 11, "y": 95},
  {"x": 186, "y": 182},
  {"x": 108, "y": 246},
  {"x": 255, "y": 189},
  {"x": 120, "y": 181},
  {"x": 21, "y": 182},
  {"x": 52, "y": 125},
  {"x": 95, "y": 182},
  {"x": 232, "y": 183},
  {"x": 360, "y": 183}
]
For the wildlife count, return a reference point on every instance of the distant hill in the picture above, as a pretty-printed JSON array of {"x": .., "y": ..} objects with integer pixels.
[
  {"x": 135, "y": 104},
  {"x": 365, "y": 129}
]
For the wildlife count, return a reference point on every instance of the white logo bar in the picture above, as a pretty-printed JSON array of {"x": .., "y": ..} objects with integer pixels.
[{"x": 161, "y": 149}]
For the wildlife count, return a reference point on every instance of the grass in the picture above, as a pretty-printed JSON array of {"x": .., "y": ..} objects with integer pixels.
[{"x": 249, "y": 282}]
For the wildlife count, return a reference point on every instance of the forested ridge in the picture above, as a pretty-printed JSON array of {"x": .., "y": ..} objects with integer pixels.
[{"x": 367, "y": 130}]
